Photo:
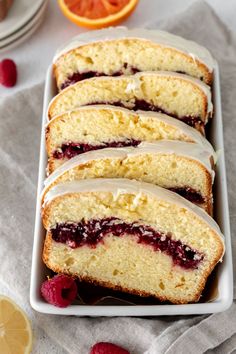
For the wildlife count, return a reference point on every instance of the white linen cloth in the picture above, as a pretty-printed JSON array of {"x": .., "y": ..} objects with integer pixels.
[{"x": 20, "y": 120}]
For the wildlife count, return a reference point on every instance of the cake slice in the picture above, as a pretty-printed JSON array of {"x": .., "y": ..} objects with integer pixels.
[
  {"x": 182, "y": 167},
  {"x": 96, "y": 127},
  {"x": 130, "y": 236},
  {"x": 177, "y": 95},
  {"x": 130, "y": 51}
]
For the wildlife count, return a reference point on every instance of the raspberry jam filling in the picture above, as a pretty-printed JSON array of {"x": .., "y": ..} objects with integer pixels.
[
  {"x": 70, "y": 149},
  {"x": 93, "y": 231},
  {"x": 189, "y": 193},
  {"x": 75, "y": 77}
]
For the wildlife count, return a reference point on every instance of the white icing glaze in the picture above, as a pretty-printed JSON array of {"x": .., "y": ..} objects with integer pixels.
[
  {"x": 178, "y": 148},
  {"x": 160, "y": 37},
  {"x": 126, "y": 186},
  {"x": 134, "y": 82},
  {"x": 192, "y": 133}
]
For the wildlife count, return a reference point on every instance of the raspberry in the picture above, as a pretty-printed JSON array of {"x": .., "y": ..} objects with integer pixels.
[
  {"x": 59, "y": 291},
  {"x": 8, "y": 73},
  {"x": 107, "y": 348}
]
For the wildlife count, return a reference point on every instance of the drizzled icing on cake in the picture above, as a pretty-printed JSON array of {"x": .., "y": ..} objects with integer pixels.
[{"x": 160, "y": 37}]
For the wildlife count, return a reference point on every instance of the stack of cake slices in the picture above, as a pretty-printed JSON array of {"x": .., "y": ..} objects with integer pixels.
[{"x": 128, "y": 200}]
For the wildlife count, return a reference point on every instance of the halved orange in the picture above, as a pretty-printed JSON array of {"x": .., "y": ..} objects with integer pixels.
[
  {"x": 15, "y": 329},
  {"x": 97, "y": 13}
]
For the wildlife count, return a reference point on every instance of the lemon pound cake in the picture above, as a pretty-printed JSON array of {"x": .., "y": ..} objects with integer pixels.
[
  {"x": 130, "y": 51},
  {"x": 184, "y": 168},
  {"x": 131, "y": 236},
  {"x": 97, "y": 127},
  {"x": 177, "y": 95}
]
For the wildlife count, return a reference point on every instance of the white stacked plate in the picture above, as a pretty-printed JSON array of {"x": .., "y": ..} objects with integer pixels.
[{"x": 23, "y": 18}]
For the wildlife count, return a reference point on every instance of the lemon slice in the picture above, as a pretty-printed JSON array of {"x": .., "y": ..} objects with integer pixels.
[{"x": 15, "y": 329}]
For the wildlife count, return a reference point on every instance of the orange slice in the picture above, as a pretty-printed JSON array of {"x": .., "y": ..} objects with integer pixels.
[
  {"x": 97, "y": 13},
  {"x": 15, "y": 329}
]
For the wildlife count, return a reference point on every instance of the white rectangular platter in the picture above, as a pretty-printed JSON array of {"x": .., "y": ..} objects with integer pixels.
[{"x": 224, "y": 272}]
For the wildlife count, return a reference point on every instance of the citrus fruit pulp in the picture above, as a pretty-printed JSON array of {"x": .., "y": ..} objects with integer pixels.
[
  {"x": 15, "y": 329},
  {"x": 97, "y": 13}
]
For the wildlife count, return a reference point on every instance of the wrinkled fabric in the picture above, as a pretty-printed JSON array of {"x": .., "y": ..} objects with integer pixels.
[{"x": 20, "y": 125}]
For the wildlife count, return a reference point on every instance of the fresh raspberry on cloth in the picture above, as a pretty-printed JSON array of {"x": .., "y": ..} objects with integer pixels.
[
  {"x": 107, "y": 348},
  {"x": 59, "y": 291},
  {"x": 8, "y": 73}
]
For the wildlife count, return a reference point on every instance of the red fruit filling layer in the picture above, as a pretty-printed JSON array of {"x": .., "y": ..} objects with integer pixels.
[
  {"x": 77, "y": 76},
  {"x": 189, "y": 193},
  {"x": 69, "y": 150},
  {"x": 93, "y": 231}
]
